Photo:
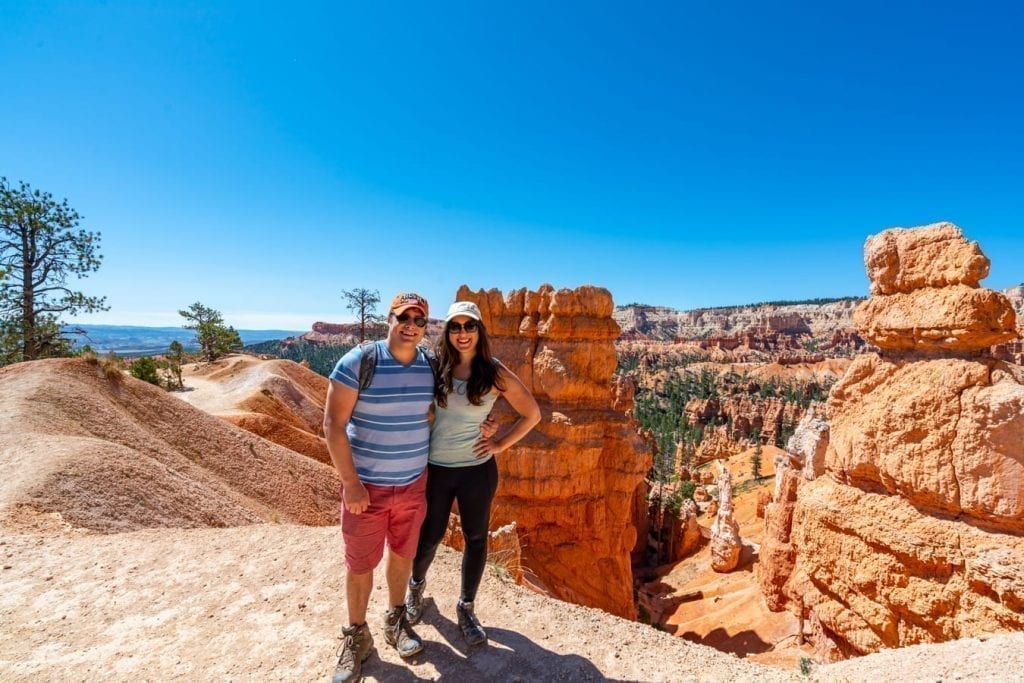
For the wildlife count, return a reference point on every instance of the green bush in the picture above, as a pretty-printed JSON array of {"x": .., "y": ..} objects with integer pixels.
[{"x": 145, "y": 369}]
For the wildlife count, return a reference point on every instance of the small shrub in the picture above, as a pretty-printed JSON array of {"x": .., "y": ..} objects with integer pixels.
[
  {"x": 805, "y": 666},
  {"x": 112, "y": 366},
  {"x": 145, "y": 369},
  {"x": 89, "y": 356}
]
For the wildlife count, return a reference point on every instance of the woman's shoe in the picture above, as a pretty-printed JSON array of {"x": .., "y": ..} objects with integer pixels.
[
  {"x": 414, "y": 601},
  {"x": 472, "y": 631}
]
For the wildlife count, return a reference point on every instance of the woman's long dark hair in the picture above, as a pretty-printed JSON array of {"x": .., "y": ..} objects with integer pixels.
[{"x": 483, "y": 371}]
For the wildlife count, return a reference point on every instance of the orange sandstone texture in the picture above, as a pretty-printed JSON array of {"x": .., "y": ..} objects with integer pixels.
[
  {"x": 570, "y": 485},
  {"x": 937, "y": 255},
  {"x": 725, "y": 532},
  {"x": 914, "y": 530}
]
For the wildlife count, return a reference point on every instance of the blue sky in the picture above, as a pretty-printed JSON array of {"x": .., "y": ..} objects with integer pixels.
[{"x": 260, "y": 159}]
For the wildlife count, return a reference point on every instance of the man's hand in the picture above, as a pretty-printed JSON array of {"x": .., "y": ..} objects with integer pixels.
[
  {"x": 488, "y": 427},
  {"x": 355, "y": 497}
]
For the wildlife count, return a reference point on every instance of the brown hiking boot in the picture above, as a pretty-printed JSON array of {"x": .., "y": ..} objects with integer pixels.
[
  {"x": 472, "y": 631},
  {"x": 414, "y": 601},
  {"x": 357, "y": 647},
  {"x": 398, "y": 633}
]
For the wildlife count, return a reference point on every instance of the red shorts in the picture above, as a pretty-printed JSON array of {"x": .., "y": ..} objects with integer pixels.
[{"x": 395, "y": 514}]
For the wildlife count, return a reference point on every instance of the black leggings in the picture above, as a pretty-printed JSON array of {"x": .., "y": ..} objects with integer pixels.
[{"x": 474, "y": 488}]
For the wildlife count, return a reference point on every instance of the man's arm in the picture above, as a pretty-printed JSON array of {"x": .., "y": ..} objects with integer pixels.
[{"x": 341, "y": 401}]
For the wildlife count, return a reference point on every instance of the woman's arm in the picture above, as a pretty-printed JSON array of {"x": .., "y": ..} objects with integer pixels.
[{"x": 522, "y": 401}]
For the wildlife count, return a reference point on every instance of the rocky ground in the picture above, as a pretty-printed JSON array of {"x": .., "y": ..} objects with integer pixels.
[{"x": 265, "y": 602}]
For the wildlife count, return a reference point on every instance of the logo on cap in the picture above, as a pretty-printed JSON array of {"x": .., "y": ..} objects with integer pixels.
[{"x": 407, "y": 300}]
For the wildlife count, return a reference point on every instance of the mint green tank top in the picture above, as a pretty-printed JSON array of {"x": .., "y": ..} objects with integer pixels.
[{"x": 457, "y": 427}]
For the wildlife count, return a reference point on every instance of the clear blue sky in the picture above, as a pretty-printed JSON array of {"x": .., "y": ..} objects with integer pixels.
[{"x": 260, "y": 159}]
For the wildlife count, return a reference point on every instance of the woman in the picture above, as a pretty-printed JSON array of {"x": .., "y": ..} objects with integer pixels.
[{"x": 461, "y": 465}]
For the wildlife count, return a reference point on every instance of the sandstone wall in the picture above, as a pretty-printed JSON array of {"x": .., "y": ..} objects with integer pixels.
[
  {"x": 914, "y": 532},
  {"x": 666, "y": 324},
  {"x": 570, "y": 485}
]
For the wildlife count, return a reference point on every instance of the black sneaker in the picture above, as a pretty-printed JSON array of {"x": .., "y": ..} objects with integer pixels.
[
  {"x": 472, "y": 631},
  {"x": 399, "y": 634},
  {"x": 357, "y": 646},
  {"x": 414, "y": 601}
]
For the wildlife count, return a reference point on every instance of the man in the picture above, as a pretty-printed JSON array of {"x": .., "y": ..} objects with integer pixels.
[{"x": 378, "y": 438}]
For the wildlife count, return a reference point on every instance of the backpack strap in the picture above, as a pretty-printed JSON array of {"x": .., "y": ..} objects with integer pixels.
[
  {"x": 435, "y": 366},
  {"x": 367, "y": 364}
]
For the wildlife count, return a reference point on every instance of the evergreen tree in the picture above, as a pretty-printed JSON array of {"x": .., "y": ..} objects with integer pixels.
[
  {"x": 145, "y": 369},
  {"x": 755, "y": 457},
  {"x": 175, "y": 358},
  {"x": 215, "y": 339},
  {"x": 41, "y": 247},
  {"x": 363, "y": 302}
]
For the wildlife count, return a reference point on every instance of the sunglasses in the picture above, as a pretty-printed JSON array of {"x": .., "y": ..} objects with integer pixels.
[
  {"x": 468, "y": 326},
  {"x": 418, "y": 321}
]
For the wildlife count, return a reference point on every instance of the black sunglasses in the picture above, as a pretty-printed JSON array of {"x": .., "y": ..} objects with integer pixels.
[
  {"x": 418, "y": 321},
  {"x": 468, "y": 326}
]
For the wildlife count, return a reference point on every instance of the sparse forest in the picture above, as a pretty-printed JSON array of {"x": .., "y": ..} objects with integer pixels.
[{"x": 320, "y": 357}]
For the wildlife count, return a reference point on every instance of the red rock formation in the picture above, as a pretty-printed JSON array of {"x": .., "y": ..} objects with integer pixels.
[
  {"x": 777, "y": 555},
  {"x": 915, "y": 532},
  {"x": 725, "y": 532},
  {"x": 570, "y": 485},
  {"x": 504, "y": 551},
  {"x": 731, "y": 423},
  {"x": 673, "y": 535}
]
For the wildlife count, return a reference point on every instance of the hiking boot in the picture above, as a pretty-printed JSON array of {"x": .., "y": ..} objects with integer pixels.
[
  {"x": 472, "y": 631},
  {"x": 398, "y": 633},
  {"x": 357, "y": 647},
  {"x": 414, "y": 601}
]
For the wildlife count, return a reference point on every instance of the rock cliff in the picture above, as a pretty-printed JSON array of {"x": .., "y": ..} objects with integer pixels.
[
  {"x": 915, "y": 531},
  {"x": 569, "y": 486},
  {"x": 667, "y": 324}
]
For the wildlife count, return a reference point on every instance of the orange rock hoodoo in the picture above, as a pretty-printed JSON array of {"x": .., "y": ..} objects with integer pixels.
[
  {"x": 914, "y": 532},
  {"x": 570, "y": 485}
]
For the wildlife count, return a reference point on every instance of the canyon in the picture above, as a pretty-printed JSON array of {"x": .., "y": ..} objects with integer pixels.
[{"x": 884, "y": 509}]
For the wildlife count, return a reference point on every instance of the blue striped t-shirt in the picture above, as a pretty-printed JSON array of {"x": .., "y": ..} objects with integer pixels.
[{"x": 389, "y": 432}]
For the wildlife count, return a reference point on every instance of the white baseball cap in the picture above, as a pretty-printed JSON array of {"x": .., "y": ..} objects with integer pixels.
[{"x": 466, "y": 308}]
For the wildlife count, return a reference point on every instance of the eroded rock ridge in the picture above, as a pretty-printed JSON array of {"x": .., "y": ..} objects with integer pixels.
[
  {"x": 571, "y": 485},
  {"x": 912, "y": 531}
]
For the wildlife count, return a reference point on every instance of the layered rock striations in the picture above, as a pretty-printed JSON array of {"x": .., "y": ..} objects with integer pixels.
[
  {"x": 733, "y": 422},
  {"x": 915, "y": 530},
  {"x": 756, "y": 320},
  {"x": 571, "y": 485}
]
